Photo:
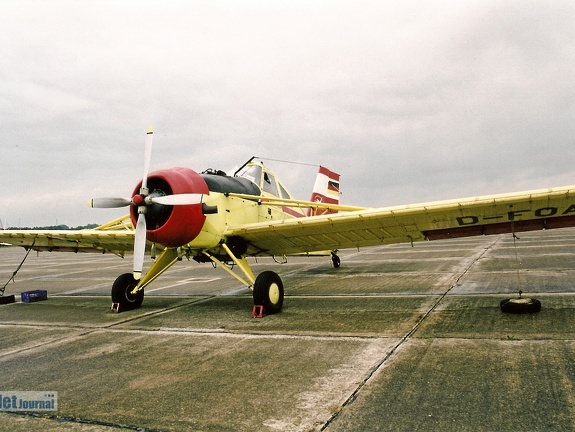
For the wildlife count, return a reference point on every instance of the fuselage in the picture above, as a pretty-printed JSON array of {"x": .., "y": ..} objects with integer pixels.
[{"x": 226, "y": 202}]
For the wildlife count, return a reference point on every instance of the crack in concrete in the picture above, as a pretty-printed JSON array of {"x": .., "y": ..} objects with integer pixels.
[{"x": 468, "y": 264}]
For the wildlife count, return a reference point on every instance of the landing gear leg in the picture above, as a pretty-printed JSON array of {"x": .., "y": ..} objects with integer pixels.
[{"x": 268, "y": 289}]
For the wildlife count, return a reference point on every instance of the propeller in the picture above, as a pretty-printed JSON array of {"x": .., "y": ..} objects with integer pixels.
[
  {"x": 142, "y": 201},
  {"x": 140, "y": 238},
  {"x": 178, "y": 199},
  {"x": 147, "y": 159},
  {"x": 109, "y": 202},
  {"x": 139, "y": 245}
]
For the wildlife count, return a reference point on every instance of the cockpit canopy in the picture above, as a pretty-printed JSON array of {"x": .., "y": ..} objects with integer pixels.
[{"x": 263, "y": 178}]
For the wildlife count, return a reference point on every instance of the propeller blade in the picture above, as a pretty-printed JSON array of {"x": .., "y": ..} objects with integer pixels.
[
  {"x": 139, "y": 246},
  {"x": 178, "y": 199},
  {"x": 109, "y": 202},
  {"x": 147, "y": 159}
]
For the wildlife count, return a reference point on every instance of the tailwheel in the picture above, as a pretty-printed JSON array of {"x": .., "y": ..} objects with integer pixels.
[
  {"x": 122, "y": 295},
  {"x": 269, "y": 292}
]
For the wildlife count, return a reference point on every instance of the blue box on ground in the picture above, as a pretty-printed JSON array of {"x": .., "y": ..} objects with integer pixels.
[{"x": 34, "y": 296}]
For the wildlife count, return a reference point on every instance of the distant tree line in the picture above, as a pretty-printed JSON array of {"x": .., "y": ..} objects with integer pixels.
[{"x": 55, "y": 227}]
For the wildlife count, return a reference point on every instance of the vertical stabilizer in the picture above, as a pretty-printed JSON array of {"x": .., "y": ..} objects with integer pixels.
[{"x": 325, "y": 190}]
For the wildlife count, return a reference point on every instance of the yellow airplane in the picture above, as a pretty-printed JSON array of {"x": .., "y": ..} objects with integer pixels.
[{"x": 224, "y": 219}]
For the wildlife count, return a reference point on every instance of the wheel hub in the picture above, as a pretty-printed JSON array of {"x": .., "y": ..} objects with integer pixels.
[{"x": 274, "y": 293}]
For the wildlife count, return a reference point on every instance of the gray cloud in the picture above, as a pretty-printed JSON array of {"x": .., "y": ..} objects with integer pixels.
[{"x": 409, "y": 101}]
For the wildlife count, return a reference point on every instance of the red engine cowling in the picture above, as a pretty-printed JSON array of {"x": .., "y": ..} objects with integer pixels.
[{"x": 172, "y": 226}]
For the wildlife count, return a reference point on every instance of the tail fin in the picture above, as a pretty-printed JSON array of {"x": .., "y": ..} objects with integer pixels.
[{"x": 325, "y": 190}]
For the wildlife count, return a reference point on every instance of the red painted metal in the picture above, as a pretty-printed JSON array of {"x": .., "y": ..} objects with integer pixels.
[
  {"x": 501, "y": 228},
  {"x": 185, "y": 221}
]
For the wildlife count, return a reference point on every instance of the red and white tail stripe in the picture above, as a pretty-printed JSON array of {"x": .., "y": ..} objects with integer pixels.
[{"x": 325, "y": 190}]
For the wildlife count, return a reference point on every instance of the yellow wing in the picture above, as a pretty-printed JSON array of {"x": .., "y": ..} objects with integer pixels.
[
  {"x": 524, "y": 211},
  {"x": 115, "y": 237}
]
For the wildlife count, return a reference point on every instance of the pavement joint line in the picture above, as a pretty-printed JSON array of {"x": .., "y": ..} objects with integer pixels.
[
  {"x": 372, "y": 295},
  {"x": 179, "y": 331},
  {"x": 50, "y": 326},
  {"x": 77, "y": 420},
  {"x": 86, "y": 330},
  {"x": 187, "y": 281},
  {"x": 374, "y": 274},
  {"x": 59, "y": 275},
  {"x": 250, "y": 335},
  {"x": 180, "y": 296},
  {"x": 52, "y": 342},
  {"x": 353, "y": 396},
  {"x": 159, "y": 311},
  {"x": 255, "y": 335}
]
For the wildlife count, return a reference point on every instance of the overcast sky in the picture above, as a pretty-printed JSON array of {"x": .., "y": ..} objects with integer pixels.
[{"x": 409, "y": 101}]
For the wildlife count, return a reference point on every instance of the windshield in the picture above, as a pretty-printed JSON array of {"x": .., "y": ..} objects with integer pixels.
[
  {"x": 252, "y": 173},
  {"x": 264, "y": 179}
]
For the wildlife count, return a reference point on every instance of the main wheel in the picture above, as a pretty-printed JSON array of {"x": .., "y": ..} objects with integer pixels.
[
  {"x": 520, "y": 305},
  {"x": 269, "y": 292},
  {"x": 121, "y": 292}
]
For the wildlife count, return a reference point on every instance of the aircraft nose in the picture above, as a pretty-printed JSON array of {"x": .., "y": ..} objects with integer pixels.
[{"x": 172, "y": 225}]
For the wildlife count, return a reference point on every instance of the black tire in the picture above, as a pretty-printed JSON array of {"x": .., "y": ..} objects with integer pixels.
[
  {"x": 7, "y": 299},
  {"x": 121, "y": 292},
  {"x": 269, "y": 292},
  {"x": 520, "y": 305}
]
